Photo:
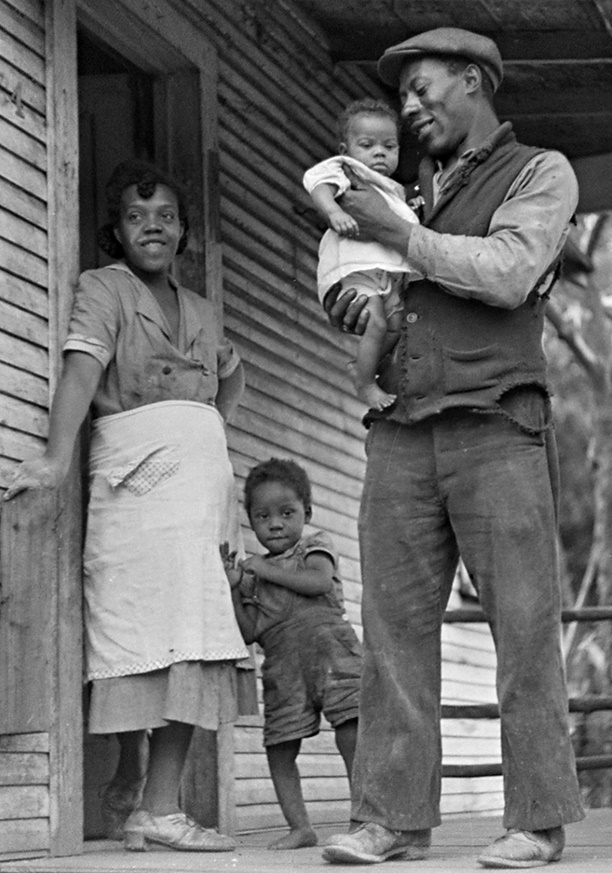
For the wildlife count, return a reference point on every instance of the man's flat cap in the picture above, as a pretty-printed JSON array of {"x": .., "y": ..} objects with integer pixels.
[{"x": 450, "y": 41}]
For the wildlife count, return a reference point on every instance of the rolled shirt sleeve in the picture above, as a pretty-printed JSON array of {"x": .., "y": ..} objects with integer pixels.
[
  {"x": 526, "y": 234},
  {"x": 94, "y": 323}
]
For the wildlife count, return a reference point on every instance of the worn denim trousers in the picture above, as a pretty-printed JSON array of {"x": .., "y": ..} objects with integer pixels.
[{"x": 473, "y": 485}]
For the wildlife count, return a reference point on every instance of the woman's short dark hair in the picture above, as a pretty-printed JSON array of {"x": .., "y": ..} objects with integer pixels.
[
  {"x": 146, "y": 177},
  {"x": 278, "y": 470},
  {"x": 365, "y": 106}
]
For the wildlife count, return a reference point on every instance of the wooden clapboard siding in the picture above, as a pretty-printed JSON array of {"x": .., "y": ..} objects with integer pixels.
[
  {"x": 40, "y": 644},
  {"x": 279, "y": 95},
  {"x": 24, "y": 302},
  {"x": 24, "y": 794}
]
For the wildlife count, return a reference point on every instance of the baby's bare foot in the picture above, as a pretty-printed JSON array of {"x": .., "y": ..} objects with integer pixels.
[
  {"x": 375, "y": 397},
  {"x": 297, "y": 838}
]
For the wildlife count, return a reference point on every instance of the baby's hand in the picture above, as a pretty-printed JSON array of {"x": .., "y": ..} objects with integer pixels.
[
  {"x": 343, "y": 223},
  {"x": 255, "y": 565},
  {"x": 233, "y": 573},
  {"x": 228, "y": 558},
  {"x": 247, "y": 586}
]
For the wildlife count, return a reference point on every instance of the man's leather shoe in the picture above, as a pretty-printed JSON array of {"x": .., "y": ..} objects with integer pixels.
[
  {"x": 520, "y": 849},
  {"x": 372, "y": 843}
]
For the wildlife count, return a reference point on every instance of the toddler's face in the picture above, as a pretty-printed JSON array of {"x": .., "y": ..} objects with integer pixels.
[
  {"x": 277, "y": 516},
  {"x": 373, "y": 140}
]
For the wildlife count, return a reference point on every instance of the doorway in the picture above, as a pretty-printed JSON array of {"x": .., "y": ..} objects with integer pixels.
[
  {"x": 116, "y": 122},
  {"x": 150, "y": 106}
]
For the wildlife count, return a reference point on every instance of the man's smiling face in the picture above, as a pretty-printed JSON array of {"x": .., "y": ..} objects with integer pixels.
[{"x": 435, "y": 105}]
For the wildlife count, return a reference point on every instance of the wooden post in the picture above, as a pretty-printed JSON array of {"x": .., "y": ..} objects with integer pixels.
[
  {"x": 66, "y": 732},
  {"x": 27, "y": 550}
]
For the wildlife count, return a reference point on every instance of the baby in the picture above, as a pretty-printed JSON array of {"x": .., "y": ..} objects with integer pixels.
[{"x": 369, "y": 149}]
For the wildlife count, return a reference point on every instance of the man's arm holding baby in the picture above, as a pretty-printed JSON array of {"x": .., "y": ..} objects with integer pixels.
[
  {"x": 376, "y": 221},
  {"x": 316, "y": 577}
]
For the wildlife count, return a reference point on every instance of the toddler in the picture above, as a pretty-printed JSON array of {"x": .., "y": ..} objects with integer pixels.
[
  {"x": 290, "y": 602},
  {"x": 369, "y": 149}
]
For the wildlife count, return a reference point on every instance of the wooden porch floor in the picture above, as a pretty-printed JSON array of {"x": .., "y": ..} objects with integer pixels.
[{"x": 456, "y": 844}]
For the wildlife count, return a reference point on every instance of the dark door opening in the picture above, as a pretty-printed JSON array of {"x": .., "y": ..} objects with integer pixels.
[{"x": 116, "y": 122}]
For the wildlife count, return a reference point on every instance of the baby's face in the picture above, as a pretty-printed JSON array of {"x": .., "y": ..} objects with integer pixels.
[{"x": 373, "y": 140}]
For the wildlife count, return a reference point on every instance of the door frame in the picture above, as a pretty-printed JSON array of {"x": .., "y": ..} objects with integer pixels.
[{"x": 159, "y": 40}]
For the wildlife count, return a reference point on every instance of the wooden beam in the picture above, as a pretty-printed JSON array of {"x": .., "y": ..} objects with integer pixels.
[{"x": 357, "y": 44}]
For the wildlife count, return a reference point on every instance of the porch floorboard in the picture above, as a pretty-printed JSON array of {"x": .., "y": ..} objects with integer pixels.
[{"x": 455, "y": 846}]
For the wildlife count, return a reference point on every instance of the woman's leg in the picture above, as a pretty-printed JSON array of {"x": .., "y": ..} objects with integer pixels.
[
  {"x": 159, "y": 819},
  {"x": 168, "y": 749},
  {"x": 133, "y": 755},
  {"x": 286, "y": 779},
  {"x": 123, "y": 793}
]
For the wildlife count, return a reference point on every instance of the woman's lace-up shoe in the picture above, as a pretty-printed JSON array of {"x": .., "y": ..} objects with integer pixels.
[{"x": 177, "y": 831}]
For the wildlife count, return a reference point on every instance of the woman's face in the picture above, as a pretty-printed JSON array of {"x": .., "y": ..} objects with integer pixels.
[{"x": 149, "y": 230}]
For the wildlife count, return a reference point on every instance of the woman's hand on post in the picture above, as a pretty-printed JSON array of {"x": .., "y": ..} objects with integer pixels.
[{"x": 35, "y": 474}]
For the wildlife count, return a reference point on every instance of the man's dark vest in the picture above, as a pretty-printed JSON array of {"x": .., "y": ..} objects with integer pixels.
[{"x": 454, "y": 352}]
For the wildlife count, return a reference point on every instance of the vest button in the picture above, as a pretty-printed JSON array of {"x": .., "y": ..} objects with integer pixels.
[
  {"x": 167, "y": 370},
  {"x": 411, "y": 317}
]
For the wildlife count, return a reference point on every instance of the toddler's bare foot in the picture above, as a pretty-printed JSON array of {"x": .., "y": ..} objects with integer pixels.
[
  {"x": 297, "y": 838},
  {"x": 375, "y": 397}
]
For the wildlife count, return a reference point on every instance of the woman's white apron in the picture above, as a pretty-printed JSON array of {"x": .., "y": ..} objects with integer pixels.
[{"x": 162, "y": 501}]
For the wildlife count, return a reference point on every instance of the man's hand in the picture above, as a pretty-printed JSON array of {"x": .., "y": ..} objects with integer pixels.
[
  {"x": 376, "y": 220},
  {"x": 347, "y": 313}
]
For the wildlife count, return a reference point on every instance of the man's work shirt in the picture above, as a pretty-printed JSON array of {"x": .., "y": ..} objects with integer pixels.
[{"x": 526, "y": 234}]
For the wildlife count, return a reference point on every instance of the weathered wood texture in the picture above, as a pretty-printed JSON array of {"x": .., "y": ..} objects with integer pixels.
[
  {"x": 27, "y": 560},
  {"x": 66, "y": 752},
  {"x": 24, "y": 312},
  {"x": 40, "y": 612},
  {"x": 24, "y": 794},
  {"x": 278, "y": 99}
]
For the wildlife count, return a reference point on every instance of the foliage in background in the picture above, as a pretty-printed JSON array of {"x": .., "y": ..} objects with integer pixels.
[{"x": 579, "y": 347}]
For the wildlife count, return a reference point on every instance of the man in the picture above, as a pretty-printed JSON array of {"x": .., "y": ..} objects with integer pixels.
[{"x": 463, "y": 464}]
